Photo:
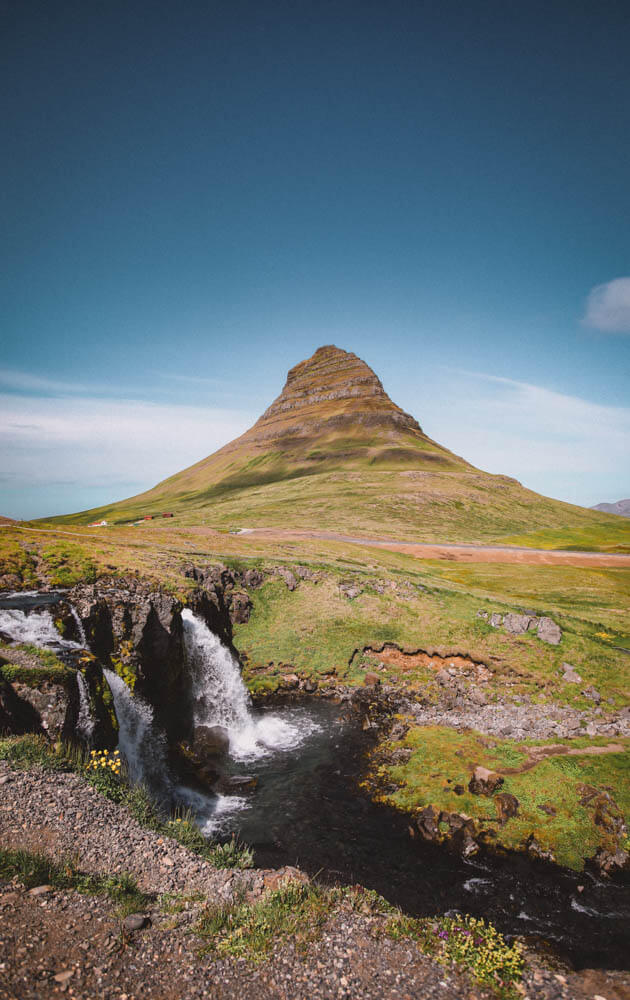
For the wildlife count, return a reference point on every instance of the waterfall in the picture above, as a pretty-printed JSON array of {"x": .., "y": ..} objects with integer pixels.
[
  {"x": 140, "y": 743},
  {"x": 85, "y": 722},
  {"x": 220, "y": 697},
  {"x": 36, "y": 628},
  {"x": 80, "y": 629}
]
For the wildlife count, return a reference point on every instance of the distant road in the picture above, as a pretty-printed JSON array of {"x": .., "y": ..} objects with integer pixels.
[
  {"x": 421, "y": 550},
  {"x": 457, "y": 552}
]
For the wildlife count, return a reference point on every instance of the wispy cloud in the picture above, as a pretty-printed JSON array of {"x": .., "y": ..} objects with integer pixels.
[
  {"x": 195, "y": 379},
  {"x": 85, "y": 442},
  {"x": 555, "y": 443},
  {"x": 21, "y": 381},
  {"x": 608, "y": 307}
]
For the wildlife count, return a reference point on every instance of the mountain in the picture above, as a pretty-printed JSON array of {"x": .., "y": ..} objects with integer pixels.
[
  {"x": 333, "y": 451},
  {"x": 620, "y": 507}
]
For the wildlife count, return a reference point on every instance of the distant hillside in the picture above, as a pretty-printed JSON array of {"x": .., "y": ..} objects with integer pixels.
[
  {"x": 621, "y": 507},
  {"x": 333, "y": 451}
]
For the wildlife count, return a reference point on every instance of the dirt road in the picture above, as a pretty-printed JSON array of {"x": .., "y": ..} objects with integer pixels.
[{"x": 456, "y": 552}]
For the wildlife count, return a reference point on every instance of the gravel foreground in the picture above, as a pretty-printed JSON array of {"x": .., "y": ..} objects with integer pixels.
[{"x": 55, "y": 943}]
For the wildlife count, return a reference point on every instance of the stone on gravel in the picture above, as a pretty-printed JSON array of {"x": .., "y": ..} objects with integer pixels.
[
  {"x": 40, "y": 890},
  {"x": 135, "y": 922}
]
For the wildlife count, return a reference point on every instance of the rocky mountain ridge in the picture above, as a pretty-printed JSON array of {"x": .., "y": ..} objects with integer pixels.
[{"x": 620, "y": 507}]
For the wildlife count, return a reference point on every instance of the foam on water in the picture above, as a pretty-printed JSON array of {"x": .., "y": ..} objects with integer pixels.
[{"x": 36, "y": 628}]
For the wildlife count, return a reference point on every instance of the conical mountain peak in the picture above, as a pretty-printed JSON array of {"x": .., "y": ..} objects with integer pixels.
[{"x": 331, "y": 386}]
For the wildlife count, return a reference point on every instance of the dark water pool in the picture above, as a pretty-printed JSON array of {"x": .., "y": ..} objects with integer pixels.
[{"x": 308, "y": 810}]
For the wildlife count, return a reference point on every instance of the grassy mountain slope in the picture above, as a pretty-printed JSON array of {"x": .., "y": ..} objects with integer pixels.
[{"x": 333, "y": 451}]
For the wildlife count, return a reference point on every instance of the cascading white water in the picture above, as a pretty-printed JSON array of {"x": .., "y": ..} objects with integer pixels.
[
  {"x": 221, "y": 698},
  {"x": 140, "y": 743},
  {"x": 85, "y": 722},
  {"x": 37, "y": 628},
  {"x": 80, "y": 629}
]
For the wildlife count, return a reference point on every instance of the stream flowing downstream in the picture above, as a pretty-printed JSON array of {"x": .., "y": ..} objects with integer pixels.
[{"x": 305, "y": 759}]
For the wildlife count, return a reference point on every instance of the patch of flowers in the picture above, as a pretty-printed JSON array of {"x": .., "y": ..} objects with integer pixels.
[
  {"x": 104, "y": 770},
  {"x": 471, "y": 943}
]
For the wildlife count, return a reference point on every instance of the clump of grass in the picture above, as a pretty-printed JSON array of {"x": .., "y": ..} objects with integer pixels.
[
  {"x": 35, "y": 750},
  {"x": 34, "y": 868},
  {"x": 232, "y": 854},
  {"x": 470, "y": 942},
  {"x": 138, "y": 801},
  {"x": 67, "y": 563},
  {"x": 250, "y": 930},
  {"x": 34, "y": 676}
]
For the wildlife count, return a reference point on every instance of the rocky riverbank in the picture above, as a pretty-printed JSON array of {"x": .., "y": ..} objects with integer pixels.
[{"x": 58, "y": 942}]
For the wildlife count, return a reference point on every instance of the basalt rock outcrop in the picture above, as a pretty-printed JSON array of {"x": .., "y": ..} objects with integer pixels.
[{"x": 137, "y": 631}]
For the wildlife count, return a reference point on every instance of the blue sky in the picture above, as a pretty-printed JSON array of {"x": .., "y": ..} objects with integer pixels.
[{"x": 198, "y": 196}]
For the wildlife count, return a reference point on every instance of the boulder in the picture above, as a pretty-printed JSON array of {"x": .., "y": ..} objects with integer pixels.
[
  {"x": 593, "y": 694},
  {"x": 350, "y": 590},
  {"x": 549, "y": 632},
  {"x": 516, "y": 624},
  {"x": 506, "y": 805},
  {"x": 496, "y": 620},
  {"x": 240, "y": 608},
  {"x": 610, "y": 862},
  {"x": 484, "y": 782},
  {"x": 569, "y": 675},
  {"x": 208, "y": 741},
  {"x": 253, "y": 579},
  {"x": 290, "y": 680},
  {"x": 371, "y": 680},
  {"x": 536, "y": 850},
  {"x": 288, "y": 577},
  {"x": 427, "y": 823},
  {"x": 236, "y": 784},
  {"x": 443, "y": 677}
]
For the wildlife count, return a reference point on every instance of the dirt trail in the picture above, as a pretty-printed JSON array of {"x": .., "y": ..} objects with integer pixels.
[
  {"x": 455, "y": 552},
  {"x": 536, "y": 754}
]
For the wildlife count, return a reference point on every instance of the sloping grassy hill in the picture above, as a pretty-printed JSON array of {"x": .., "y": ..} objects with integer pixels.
[{"x": 333, "y": 451}]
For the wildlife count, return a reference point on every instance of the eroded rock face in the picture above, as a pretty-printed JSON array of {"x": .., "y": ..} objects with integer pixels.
[
  {"x": 221, "y": 598},
  {"x": 137, "y": 630},
  {"x": 335, "y": 376}
]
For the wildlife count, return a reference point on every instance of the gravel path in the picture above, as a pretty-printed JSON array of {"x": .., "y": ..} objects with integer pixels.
[{"x": 60, "y": 942}]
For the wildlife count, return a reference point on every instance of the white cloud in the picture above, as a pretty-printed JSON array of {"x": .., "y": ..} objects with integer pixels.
[
  {"x": 608, "y": 306},
  {"x": 26, "y": 382},
  {"x": 556, "y": 444},
  {"x": 80, "y": 443}
]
